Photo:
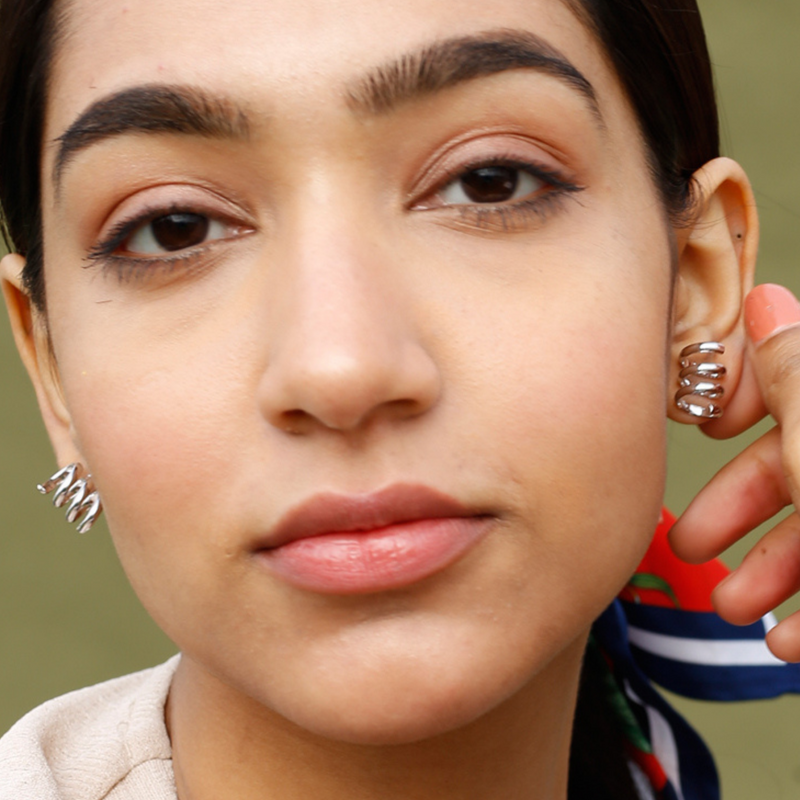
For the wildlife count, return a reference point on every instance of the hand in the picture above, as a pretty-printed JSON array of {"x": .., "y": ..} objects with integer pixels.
[{"x": 760, "y": 481}]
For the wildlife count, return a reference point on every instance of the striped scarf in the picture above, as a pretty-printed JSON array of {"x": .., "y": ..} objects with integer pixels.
[{"x": 663, "y": 628}]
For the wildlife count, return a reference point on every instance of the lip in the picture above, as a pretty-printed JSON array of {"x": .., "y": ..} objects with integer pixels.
[{"x": 353, "y": 544}]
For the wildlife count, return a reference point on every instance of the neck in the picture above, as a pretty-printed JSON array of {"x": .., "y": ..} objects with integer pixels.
[{"x": 227, "y": 745}]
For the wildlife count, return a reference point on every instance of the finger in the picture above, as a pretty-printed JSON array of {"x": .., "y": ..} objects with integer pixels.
[
  {"x": 743, "y": 494},
  {"x": 769, "y": 574},
  {"x": 745, "y": 408},
  {"x": 772, "y": 317},
  {"x": 784, "y": 639}
]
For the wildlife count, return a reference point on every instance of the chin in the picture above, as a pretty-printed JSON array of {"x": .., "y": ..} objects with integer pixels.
[
  {"x": 403, "y": 698},
  {"x": 403, "y": 716}
]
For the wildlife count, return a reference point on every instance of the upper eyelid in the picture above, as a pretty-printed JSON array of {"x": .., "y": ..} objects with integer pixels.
[
  {"x": 468, "y": 150},
  {"x": 197, "y": 197},
  {"x": 522, "y": 165},
  {"x": 148, "y": 215}
]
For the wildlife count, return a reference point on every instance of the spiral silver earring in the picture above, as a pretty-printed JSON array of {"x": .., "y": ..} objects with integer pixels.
[
  {"x": 700, "y": 380},
  {"x": 70, "y": 486}
]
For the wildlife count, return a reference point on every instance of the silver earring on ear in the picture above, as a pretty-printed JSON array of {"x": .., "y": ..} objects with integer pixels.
[
  {"x": 699, "y": 380},
  {"x": 70, "y": 485}
]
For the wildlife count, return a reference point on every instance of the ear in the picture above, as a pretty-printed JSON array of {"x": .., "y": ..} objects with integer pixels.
[
  {"x": 31, "y": 335},
  {"x": 717, "y": 253}
]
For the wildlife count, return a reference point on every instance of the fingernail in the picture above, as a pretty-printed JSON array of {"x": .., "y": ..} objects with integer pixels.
[{"x": 770, "y": 308}]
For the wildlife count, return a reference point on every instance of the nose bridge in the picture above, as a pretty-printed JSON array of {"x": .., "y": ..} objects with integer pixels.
[
  {"x": 339, "y": 289},
  {"x": 345, "y": 346}
]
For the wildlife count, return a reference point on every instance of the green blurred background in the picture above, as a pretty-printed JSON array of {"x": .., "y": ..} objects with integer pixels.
[{"x": 68, "y": 617}]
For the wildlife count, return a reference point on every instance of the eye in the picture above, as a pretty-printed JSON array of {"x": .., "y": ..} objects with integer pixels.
[
  {"x": 179, "y": 230},
  {"x": 168, "y": 239},
  {"x": 491, "y": 184},
  {"x": 497, "y": 193}
]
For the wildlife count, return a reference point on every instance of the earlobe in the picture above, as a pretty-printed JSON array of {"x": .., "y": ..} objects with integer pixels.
[
  {"x": 29, "y": 328},
  {"x": 716, "y": 259}
]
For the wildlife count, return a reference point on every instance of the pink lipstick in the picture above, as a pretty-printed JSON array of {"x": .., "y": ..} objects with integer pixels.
[{"x": 354, "y": 544}]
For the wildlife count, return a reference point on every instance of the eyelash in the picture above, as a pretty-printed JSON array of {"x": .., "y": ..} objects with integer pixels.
[
  {"x": 132, "y": 267},
  {"x": 511, "y": 215}
]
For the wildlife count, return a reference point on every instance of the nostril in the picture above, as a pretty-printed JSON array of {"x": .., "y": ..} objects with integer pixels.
[
  {"x": 406, "y": 408},
  {"x": 296, "y": 422}
]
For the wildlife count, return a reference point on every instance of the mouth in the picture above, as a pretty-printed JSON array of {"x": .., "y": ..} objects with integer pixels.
[{"x": 357, "y": 544}]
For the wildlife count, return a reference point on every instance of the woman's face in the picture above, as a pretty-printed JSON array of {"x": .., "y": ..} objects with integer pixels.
[{"x": 339, "y": 251}]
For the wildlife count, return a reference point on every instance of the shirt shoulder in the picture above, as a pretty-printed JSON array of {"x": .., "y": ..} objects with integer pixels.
[{"x": 105, "y": 742}]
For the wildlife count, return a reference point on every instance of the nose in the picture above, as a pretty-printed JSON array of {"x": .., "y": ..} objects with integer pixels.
[{"x": 346, "y": 346}]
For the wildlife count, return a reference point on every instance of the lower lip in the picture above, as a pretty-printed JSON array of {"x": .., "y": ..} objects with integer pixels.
[{"x": 378, "y": 560}]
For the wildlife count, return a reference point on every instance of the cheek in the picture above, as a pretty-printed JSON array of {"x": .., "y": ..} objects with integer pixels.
[
  {"x": 164, "y": 424},
  {"x": 575, "y": 413},
  {"x": 137, "y": 426}
]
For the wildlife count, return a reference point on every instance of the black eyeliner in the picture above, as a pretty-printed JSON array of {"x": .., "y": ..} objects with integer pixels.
[
  {"x": 507, "y": 215},
  {"x": 125, "y": 228}
]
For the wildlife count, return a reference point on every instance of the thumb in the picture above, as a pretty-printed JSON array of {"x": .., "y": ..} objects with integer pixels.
[{"x": 772, "y": 318}]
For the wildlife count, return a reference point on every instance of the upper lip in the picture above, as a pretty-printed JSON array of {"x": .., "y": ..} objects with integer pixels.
[{"x": 329, "y": 512}]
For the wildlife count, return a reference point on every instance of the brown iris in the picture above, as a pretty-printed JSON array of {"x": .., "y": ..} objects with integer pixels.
[
  {"x": 180, "y": 230},
  {"x": 491, "y": 184}
]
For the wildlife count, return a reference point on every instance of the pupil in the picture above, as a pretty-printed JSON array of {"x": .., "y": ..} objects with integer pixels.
[
  {"x": 177, "y": 231},
  {"x": 490, "y": 184}
]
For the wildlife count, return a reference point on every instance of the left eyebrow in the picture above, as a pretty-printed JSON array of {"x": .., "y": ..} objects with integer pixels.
[
  {"x": 450, "y": 62},
  {"x": 154, "y": 108}
]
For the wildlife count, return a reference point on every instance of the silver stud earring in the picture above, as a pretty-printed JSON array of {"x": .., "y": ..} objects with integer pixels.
[
  {"x": 70, "y": 486},
  {"x": 699, "y": 379}
]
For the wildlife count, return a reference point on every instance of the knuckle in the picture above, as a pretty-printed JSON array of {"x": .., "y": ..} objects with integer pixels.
[
  {"x": 785, "y": 368},
  {"x": 769, "y": 486},
  {"x": 764, "y": 460}
]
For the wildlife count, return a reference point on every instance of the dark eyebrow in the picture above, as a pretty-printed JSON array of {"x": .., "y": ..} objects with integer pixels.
[
  {"x": 153, "y": 108},
  {"x": 452, "y": 61},
  {"x": 159, "y": 108}
]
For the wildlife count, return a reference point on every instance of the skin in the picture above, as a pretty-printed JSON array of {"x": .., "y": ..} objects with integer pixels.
[{"x": 350, "y": 329}]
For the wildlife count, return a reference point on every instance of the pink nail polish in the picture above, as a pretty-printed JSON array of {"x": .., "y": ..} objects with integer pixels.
[{"x": 770, "y": 308}]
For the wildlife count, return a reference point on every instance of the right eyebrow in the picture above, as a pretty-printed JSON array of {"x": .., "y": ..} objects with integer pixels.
[{"x": 151, "y": 108}]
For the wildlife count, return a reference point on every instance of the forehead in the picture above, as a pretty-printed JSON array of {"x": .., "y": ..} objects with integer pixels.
[{"x": 300, "y": 52}]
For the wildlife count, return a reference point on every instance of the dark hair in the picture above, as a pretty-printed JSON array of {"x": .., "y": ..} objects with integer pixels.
[
  {"x": 27, "y": 41},
  {"x": 658, "y": 50}
]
